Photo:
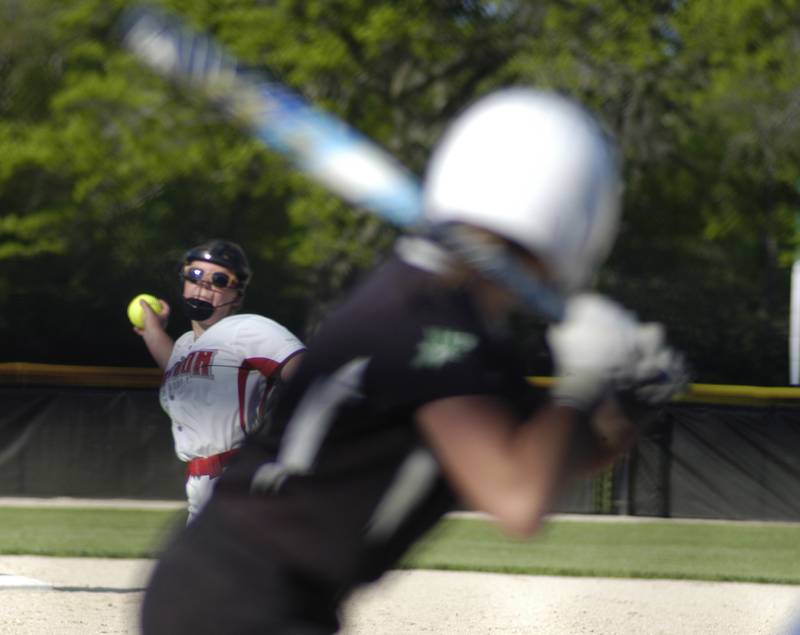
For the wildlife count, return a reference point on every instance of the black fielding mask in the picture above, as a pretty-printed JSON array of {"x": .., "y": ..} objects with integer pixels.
[
  {"x": 197, "y": 310},
  {"x": 221, "y": 252},
  {"x": 200, "y": 310}
]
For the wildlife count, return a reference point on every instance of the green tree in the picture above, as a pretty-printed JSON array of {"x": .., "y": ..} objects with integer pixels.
[
  {"x": 700, "y": 96},
  {"x": 107, "y": 172}
]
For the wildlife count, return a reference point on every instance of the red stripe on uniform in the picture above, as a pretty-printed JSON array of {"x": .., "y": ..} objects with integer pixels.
[{"x": 264, "y": 366}]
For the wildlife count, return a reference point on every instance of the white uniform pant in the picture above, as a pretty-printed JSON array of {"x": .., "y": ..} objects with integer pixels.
[{"x": 198, "y": 491}]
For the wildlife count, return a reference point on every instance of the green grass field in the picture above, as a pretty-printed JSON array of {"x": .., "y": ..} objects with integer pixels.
[
  {"x": 698, "y": 551},
  {"x": 746, "y": 552},
  {"x": 102, "y": 533}
]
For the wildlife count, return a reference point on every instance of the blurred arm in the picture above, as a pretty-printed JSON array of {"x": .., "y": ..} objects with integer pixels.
[
  {"x": 614, "y": 435},
  {"x": 512, "y": 472},
  {"x": 159, "y": 343},
  {"x": 289, "y": 368}
]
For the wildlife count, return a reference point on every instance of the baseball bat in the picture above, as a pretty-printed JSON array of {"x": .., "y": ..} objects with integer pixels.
[
  {"x": 317, "y": 143},
  {"x": 320, "y": 145}
]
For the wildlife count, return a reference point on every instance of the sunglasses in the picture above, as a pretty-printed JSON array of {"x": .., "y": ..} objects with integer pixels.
[{"x": 219, "y": 279}]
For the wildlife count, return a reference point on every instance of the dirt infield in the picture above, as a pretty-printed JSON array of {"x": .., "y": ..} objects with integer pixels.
[{"x": 96, "y": 596}]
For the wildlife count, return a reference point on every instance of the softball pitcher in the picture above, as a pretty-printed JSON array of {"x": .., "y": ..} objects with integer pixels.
[{"x": 217, "y": 375}]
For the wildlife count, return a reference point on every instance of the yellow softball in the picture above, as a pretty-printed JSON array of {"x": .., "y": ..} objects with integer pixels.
[{"x": 136, "y": 312}]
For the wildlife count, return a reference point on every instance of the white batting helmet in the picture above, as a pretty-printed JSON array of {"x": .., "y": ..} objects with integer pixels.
[{"x": 534, "y": 168}]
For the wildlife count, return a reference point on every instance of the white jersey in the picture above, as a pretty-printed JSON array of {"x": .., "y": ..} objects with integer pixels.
[{"x": 215, "y": 385}]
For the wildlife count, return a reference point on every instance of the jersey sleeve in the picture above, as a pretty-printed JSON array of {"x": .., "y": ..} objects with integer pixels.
[{"x": 266, "y": 345}]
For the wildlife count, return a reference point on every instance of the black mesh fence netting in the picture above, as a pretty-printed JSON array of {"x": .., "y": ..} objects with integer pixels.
[{"x": 701, "y": 460}]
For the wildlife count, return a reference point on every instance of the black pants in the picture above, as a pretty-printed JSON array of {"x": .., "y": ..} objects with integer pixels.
[{"x": 208, "y": 581}]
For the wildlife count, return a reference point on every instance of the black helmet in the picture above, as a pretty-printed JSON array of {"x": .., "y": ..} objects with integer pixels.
[{"x": 224, "y": 253}]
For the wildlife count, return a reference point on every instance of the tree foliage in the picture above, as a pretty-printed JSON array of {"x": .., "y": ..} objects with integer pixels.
[{"x": 107, "y": 172}]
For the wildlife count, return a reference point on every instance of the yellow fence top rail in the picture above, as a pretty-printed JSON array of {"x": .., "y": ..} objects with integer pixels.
[
  {"x": 28, "y": 374},
  {"x": 722, "y": 393}
]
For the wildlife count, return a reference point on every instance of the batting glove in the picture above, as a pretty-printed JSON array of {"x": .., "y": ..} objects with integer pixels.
[
  {"x": 600, "y": 349},
  {"x": 657, "y": 373}
]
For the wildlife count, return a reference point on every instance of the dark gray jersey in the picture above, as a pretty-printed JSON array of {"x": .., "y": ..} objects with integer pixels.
[{"x": 344, "y": 480}]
